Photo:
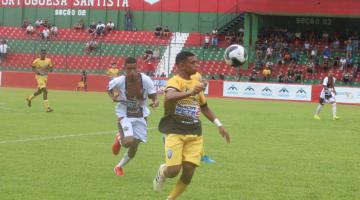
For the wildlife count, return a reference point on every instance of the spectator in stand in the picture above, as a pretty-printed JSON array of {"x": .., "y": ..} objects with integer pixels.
[
  {"x": 326, "y": 54},
  {"x": 38, "y": 23},
  {"x": 355, "y": 70},
  {"x": 307, "y": 47},
  {"x": 325, "y": 38},
  {"x": 206, "y": 40},
  {"x": 253, "y": 76},
  {"x": 30, "y": 29},
  {"x": 269, "y": 53},
  {"x": 54, "y": 31},
  {"x": 25, "y": 23},
  {"x": 310, "y": 67},
  {"x": 3, "y": 50},
  {"x": 336, "y": 44},
  {"x": 355, "y": 42},
  {"x": 46, "y": 24},
  {"x": 80, "y": 25},
  {"x": 290, "y": 75},
  {"x": 266, "y": 73},
  {"x": 91, "y": 46},
  {"x": 100, "y": 29},
  {"x": 45, "y": 34},
  {"x": 128, "y": 20},
  {"x": 298, "y": 75},
  {"x": 110, "y": 26},
  {"x": 349, "y": 48},
  {"x": 349, "y": 63},
  {"x": 166, "y": 31},
  {"x": 92, "y": 28},
  {"x": 163, "y": 75},
  {"x": 214, "y": 38},
  {"x": 346, "y": 77},
  {"x": 313, "y": 53},
  {"x": 281, "y": 77},
  {"x": 342, "y": 63},
  {"x": 158, "y": 32}
]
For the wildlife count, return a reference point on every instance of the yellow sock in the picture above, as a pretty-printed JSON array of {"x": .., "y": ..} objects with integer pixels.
[
  {"x": 31, "y": 97},
  {"x": 46, "y": 102},
  {"x": 179, "y": 188}
]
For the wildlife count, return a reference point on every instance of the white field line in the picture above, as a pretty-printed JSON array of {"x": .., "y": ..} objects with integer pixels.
[{"x": 60, "y": 137}]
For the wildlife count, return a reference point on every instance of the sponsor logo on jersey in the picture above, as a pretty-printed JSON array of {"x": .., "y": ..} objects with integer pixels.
[
  {"x": 301, "y": 93},
  {"x": 266, "y": 92},
  {"x": 249, "y": 91},
  {"x": 187, "y": 111},
  {"x": 284, "y": 92},
  {"x": 169, "y": 153}
]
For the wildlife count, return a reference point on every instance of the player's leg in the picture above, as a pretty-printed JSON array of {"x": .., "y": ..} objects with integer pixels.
[
  {"x": 40, "y": 83},
  {"x": 333, "y": 104},
  {"x": 318, "y": 109},
  {"x": 46, "y": 101},
  {"x": 173, "y": 155},
  {"x": 127, "y": 140},
  {"x": 191, "y": 159}
]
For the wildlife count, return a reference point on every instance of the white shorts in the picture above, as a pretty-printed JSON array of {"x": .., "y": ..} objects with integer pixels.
[
  {"x": 324, "y": 100},
  {"x": 136, "y": 127}
]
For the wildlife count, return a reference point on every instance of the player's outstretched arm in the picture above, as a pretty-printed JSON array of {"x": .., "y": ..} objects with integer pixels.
[
  {"x": 211, "y": 117},
  {"x": 154, "y": 99},
  {"x": 171, "y": 94}
]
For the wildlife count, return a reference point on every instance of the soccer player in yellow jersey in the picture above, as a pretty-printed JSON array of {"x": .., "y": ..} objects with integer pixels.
[
  {"x": 41, "y": 66},
  {"x": 184, "y": 101},
  {"x": 112, "y": 72}
]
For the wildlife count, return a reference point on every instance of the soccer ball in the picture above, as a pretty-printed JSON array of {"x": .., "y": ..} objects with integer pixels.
[{"x": 235, "y": 55}]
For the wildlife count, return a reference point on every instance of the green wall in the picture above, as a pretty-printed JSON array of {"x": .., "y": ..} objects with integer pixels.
[{"x": 142, "y": 20}]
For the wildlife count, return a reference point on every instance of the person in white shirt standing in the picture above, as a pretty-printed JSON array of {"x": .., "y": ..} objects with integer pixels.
[
  {"x": 131, "y": 92},
  {"x": 327, "y": 95},
  {"x": 3, "y": 50}
]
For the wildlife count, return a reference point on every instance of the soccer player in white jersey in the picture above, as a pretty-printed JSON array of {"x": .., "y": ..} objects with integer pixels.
[
  {"x": 327, "y": 95},
  {"x": 131, "y": 110}
]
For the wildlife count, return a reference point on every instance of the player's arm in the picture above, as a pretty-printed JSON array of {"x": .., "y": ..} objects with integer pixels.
[
  {"x": 111, "y": 89},
  {"x": 211, "y": 117},
  {"x": 154, "y": 99},
  {"x": 172, "y": 94}
]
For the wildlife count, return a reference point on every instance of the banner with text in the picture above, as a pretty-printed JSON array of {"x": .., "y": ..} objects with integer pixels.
[
  {"x": 267, "y": 91},
  {"x": 347, "y": 95}
]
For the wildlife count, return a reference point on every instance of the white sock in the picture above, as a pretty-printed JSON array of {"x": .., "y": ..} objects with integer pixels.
[
  {"x": 124, "y": 160},
  {"x": 334, "y": 109},
  {"x": 318, "y": 109}
]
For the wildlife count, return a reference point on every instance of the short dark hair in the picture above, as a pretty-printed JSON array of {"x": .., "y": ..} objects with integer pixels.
[
  {"x": 43, "y": 51},
  {"x": 182, "y": 56},
  {"x": 130, "y": 60}
]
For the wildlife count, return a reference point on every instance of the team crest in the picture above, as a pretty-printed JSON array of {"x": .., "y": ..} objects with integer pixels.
[{"x": 169, "y": 153}]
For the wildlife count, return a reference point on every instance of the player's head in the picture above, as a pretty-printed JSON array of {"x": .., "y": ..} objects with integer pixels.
[
  {"x": 187, "y": 62},
  {"x": 131, "y": 68},
  {"x": 331, "y": 73},
  {"x": 42, "y": 54}
]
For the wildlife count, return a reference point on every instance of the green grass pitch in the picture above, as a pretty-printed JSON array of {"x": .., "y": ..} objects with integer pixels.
[{"x": 277, "y": 152}]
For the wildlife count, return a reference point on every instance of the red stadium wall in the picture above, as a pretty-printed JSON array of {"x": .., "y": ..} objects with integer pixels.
[
  {"x": 330, "y": 7},
  {"x": 99, "y": 83},
  {"x": 56, "y": 81}
]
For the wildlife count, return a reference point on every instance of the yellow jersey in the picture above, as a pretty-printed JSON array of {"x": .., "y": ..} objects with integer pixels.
[
  {"x": 42, "y": 66},
  {"x": 183, "y": 116},
  {"x": 112, "y": 72}
]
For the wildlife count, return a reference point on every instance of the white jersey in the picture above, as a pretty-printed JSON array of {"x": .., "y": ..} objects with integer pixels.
[
  {"x": 119, "y": 84},
  {"x": 3, "y": 48},
  {"x": 322, "y": 94}
]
